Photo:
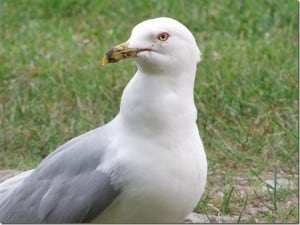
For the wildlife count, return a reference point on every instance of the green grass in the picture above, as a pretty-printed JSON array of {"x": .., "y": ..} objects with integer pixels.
[{"x": 52, "y": 87}]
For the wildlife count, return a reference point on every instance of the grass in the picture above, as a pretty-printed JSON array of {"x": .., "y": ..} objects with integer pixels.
[{"x": 52, "y": 87}]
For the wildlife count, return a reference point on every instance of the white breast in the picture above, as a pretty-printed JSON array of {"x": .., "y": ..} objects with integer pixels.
[{"x": 161, "y": 181}]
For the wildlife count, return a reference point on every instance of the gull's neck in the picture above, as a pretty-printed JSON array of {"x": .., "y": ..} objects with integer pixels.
[{"x": 159, "y": 102}]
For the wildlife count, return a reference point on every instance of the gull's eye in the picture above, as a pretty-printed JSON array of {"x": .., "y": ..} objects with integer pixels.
[{"x": 163, "y": 36}]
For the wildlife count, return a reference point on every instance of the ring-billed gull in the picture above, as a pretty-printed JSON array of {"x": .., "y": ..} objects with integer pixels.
[{"x": 147, "y": 165}]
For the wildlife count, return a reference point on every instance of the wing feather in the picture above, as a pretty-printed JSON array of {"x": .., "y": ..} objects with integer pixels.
[{"x": 66, "y": 187}]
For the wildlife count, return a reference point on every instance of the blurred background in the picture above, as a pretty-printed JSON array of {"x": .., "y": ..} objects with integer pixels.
[{"x": 52, "y": 88}]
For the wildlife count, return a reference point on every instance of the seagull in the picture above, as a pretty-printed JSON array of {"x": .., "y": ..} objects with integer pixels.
[{"x": 147, "y": 165}]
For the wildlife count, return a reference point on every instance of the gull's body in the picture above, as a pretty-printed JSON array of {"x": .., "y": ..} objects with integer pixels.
[{"x": 147, "y": 165}]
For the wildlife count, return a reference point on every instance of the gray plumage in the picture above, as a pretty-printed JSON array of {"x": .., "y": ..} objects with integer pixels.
[{"x": 64, "y": 188}]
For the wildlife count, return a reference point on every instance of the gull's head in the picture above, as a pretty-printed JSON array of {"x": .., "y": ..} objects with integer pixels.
[{"x": 158, "y": 45}]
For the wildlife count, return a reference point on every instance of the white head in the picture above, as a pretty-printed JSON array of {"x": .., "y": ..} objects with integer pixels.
[
  {"x": 159, "y": 45},
  {"x": 171, "y": 44}
]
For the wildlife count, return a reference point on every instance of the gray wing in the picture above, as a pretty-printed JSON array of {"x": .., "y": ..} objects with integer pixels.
[{"x": 65, "y": 187}]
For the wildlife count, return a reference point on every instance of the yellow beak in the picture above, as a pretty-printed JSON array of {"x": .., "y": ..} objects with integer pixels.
[{"x": 119, "y": 52}]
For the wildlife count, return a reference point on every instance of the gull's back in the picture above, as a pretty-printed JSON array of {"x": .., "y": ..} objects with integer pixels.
[{"x": 63, "y": 188}]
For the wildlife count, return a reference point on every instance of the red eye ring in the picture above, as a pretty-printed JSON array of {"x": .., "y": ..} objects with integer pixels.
[{"x": 163, "y": 36}]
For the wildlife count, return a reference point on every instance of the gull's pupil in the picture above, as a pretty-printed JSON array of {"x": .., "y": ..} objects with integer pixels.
[{"x": 163, "y": 36}]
